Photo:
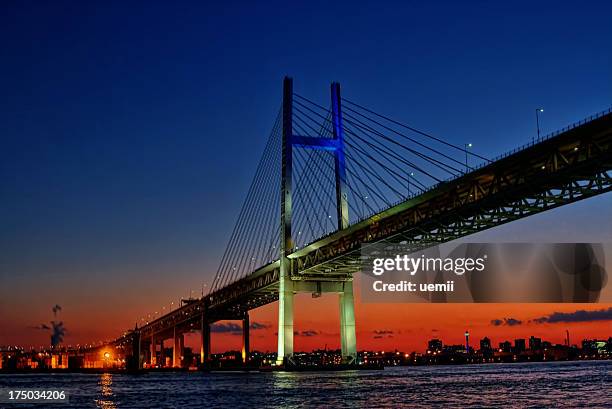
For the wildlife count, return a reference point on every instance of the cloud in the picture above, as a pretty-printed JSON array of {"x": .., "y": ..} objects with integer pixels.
[
  {"x": 228, "y": 328},
  {"x": 383, "y": 332},
  {"x": 511, "y": 322},
  {"x": 258, "y": 325},
  {"x": 576, "y": 316},
  {"x": 235, "y": 329},
  {"x": 306, "y": 333}
]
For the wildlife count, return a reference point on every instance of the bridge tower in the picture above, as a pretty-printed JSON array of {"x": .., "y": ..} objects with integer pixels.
[{"x": 288, "y": 287}]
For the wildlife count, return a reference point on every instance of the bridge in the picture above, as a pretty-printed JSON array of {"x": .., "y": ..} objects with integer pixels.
[{"x": 334, "y": 178}]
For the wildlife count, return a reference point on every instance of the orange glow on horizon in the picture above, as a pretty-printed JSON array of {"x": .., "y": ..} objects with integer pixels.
[{"x": 405, "y": 327}]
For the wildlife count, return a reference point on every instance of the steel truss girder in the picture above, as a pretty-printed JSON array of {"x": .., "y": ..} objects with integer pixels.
[{"x": 567, "y": 168}]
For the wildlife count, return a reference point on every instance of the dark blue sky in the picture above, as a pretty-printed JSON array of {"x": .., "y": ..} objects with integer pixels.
[{"x": 130, "y": 131}]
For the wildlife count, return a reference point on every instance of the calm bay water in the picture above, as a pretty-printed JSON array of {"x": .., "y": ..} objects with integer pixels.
[{"x": 564, "y": 384}]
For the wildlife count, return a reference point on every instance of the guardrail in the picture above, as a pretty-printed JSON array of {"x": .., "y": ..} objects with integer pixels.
[{"x": 546, "y": 137}]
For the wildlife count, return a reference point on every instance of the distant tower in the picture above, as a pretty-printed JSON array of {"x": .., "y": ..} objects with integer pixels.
[
  {"x": 567, "y": 341},
  {"x": 467, "y": 341}
]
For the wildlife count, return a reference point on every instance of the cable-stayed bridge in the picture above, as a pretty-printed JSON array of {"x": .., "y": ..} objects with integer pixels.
[{"x": 335, "y": 176}]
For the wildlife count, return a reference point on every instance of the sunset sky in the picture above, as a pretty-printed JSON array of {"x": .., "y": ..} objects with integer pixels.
[{"x": 130, "y": 135}]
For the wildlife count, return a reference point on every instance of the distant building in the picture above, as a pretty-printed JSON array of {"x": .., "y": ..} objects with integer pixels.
[
  {"x": 590, "y": 346},
  {"x": 505, "y": 346},
  {"x": 486, "y": 350},
  {"x": 535, "y": 344},
  {"x": 434, "y": 345},
  {"x": 485, "y": 344},
  {"x": 519, "y": 345},
  {"x": 454, "y": 349}
]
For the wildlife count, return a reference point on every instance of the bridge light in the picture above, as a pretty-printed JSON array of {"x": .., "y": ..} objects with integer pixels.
[
  {"x": 538, "y": 110},
  {"x": 467, "y": 146}
]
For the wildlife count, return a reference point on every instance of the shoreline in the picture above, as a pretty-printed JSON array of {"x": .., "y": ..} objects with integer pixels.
[{"x": 334, "y": 368}]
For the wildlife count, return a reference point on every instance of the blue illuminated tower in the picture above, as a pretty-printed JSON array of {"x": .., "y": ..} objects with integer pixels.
[{"x": 287, "y": 285}]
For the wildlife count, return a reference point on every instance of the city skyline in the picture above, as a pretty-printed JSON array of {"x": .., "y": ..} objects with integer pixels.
[
  {"x": 435, "y": 342},
  {"x": 436, "y": 352}
]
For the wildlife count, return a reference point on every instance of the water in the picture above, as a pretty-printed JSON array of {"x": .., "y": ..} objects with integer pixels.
[{"x": 567, "y": 384}]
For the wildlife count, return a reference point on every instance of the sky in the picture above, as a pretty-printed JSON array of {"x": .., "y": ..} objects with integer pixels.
[{"x": 131, "y": 131}]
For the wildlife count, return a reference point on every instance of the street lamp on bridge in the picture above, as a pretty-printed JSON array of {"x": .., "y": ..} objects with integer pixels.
[
  {"x": 411, "y": 174},
  {"x": 538, "y": 111},
  {"x": 467, "y": 146}
]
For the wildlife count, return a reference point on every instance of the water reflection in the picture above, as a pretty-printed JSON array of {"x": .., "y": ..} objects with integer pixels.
[
  {"x": 106, "y": 400},
  {"x": 284, "y": 380},
  {"x": 554, "y": 384}
]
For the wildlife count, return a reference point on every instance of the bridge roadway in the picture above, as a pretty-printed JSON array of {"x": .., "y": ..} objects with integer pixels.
[{"x": 569, "y": 166}]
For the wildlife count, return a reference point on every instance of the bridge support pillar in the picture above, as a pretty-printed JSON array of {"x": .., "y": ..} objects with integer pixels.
[
  {"x": 182, "y": 347},
  {"x": 348, "y": 338},
  {"x": 285, "y": 320},
  {"x": 205, "y": 342},
  {"x": 177, "y": 349},
  {"x": 162, "y": 358},
  {"x": 285, "y": 286},
  {"x": 136, "y": 359},
  {"x": 152, "y": 351},
  {"x": 246, "y": 351}
]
